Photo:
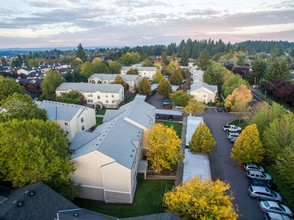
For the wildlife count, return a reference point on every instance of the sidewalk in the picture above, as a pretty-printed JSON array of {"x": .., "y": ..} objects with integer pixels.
[{"x": 180, "y": 167}]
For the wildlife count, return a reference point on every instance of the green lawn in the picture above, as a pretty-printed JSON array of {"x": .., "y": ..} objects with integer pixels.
[
  {"x": 148, "y": 200},
  {"x": 176, "y": 125},
  {"x": 101, "y": 111},
  {"x": 99, "y": 121}
]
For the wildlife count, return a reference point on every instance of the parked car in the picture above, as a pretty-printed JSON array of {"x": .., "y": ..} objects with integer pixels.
[
  {"x": 232, "y": 135},
  {"x": 270, "y": 206},
  {"x": 220, "y": 109},
  {"x": 264, "y": 193},
  {"x": 231, "y": 128},
  {"x": 276, "y": 216},
  {"x": 255, "y": 174},
  {"x": 232, "y": 140},
  {"x": 253, "y": 166},
  {"x": 170, "y": 117},
  {"x": 256, "y": 182}
]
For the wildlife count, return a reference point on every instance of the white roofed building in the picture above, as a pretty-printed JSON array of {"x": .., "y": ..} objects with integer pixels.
[
  {"x": 106, "y": 160},
  {"x": 96, "y": 95},
  {"x": 203, "y": 92},
  {"x": 146, "y": 72},
  {"x": 70, "y": 117}
]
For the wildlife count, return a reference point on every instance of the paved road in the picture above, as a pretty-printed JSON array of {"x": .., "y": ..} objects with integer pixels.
[{"x": 225, "y": 168}]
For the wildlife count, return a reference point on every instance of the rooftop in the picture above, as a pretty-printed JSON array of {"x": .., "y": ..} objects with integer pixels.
[{"x": 89, "y": 87}]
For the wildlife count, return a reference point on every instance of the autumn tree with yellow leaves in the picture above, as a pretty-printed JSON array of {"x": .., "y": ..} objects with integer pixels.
[
  {"x": 194, "y": 107},
  {"x": 202, "y": 140},
  {"x": 248, "y": 147},
  {"x": 162, "y": 147},
  {"x": 238, "y": 100},
  {"x": 197, "y": 199}
]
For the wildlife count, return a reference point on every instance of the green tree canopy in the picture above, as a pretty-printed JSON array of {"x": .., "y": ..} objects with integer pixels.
[
  {"x": 202, "y": 140},
  {"x": 164, "y": 87},
  {"x": 22, "y": 107},
  {"x": 97, "y": 66},
  {"x": 74, "y": 76},
  {"x": 145, "y": 87},
  {"x": 248, "y": 147},
  {"x": 50, "y": 83},
  {"x": 197, "y": 199},
  {"x": 180, "y": 97},
  {"x": 194, "y": 107},
  {"x": 130, "y": 58},
  {"x": 164, "y": 58},
  {"x": 162, "y": 147},
  {"x": 73, "y": 97},
  {"x": 114, "y": 67},
  {"x": 8, "y": 87},
  {"x": 119, "y": 80},
  {"x": 259, "y": 69},
  {"x": 157, "y": 76},
  {"x": 214, "y": 74},
  {"x": 184, "y": 57},
  {"x": 80, "y": 53},
  {"x": 147, "y": 62},
  {"x": 279, "y": 134},
  {"x": 132, "y": 72},
  {"x": 32, "y": 151},
  {"x": 204, "y": 59},
  {"x": 232, "y": 82},
  {"x": 278, "y": 68},
  {"x": 176, "y": 77}
]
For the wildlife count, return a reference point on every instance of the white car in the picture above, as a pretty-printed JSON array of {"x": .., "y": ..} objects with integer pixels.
[
  {"x": 276, "y": 216},
  {"x": 255, "y": 174},
  {"x": 264, "y": 193},
  {"x": 232, "y": 135},
  {"x": 231, "y": 128},
  {"x": 253, "y": 166},
  {"x": 270, "y": 206}
]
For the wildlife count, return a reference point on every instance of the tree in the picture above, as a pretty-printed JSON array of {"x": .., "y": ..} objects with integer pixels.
[
  {"x": 80, "y": 53},
  {"x": 76, "y": 63},
  {"x": 22, "y": 107},
  {"x": 280, "y": 133},
  {"x": 259, "y": 69},
  {"x": 202, "y": 140},
  {"x": 73, "y": 97},
  {"x": 278, "y": 69},
  {"x": 180, "y": 97},
  {"x": 197, "y": 199},
  {"x": 266, "y": 114},
  {"x": 239, "y": 99},
  {"x": 248, "y": 147},
  {"x": 164, "y": 58},
  {"x": 176, "y": 77},
  {"x": 162, "y": 147},
  {"x": 50, "y": 83},
  {"x": 194, "y": 107},
  {"x": 204, "y": 59},
  {"x": 184, "y": 57},
  {"x": 147, "y": 62},
  {"x": 130, "y": 58},
  {"x": 214, "y": 74},
  {"x": 32, "y": 151},
  {"x": 119, "y": 80},
  {"x": 145, "y": 87},
  {"x": 8, "y": 87},
  {"x": 232, "y": 82},
  {"x": 132, "y": 72},
  {"x": 164, "y": 87},
  {"x": 74, "y": 76},
  {"x": 157, "y": 76},
  {"x": 114, "y": 66}
]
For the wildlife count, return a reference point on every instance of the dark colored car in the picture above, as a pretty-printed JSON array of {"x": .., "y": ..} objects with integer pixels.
[
  {"x": 170, "y": 117},
  {"x": 220, "y": 109},
  {"x": 256, "y": 182}
]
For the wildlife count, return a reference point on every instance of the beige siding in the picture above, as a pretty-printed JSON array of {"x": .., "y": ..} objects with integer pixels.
[{"x": 203, "y": 95}]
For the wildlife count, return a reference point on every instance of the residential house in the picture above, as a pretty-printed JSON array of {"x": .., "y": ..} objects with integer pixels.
[
  {"x": 203, "y": 92},
  {"x": 103, "y": 78},
  {"x": 146, "y": 72},
  {"x": 96, "y": 95},
  {"x": 107, "y": 160},
  {"x": 70, "y": 117},
  {"x": 26, "y": 71}
]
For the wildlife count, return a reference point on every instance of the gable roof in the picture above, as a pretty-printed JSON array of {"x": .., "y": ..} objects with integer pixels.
[
  {"x": 200, "y": 84},
  {"x": 36, "y": 201},
  {"x": 61, "y": 111},
  {"x": 82, "y": 214},
  {"x": 108, "y": 77},
  {"x": 89, "y": 87}
]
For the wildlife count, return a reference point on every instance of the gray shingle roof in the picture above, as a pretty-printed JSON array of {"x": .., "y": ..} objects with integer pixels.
[
  {"x": 200, "y": 84},
  {"x": 83, "y": 214},
  {"x": 159, "y": 216},
  {"x": 105, "y": 76},
  {"x": 34, "y": 202},
  {"x": 89, "y": 87},
  {"x": 60, "y": 110}
]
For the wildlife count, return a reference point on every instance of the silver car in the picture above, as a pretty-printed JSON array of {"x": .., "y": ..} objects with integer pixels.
[
  {"x": 253, "y": 166},
  {"x": 264, "y": 193},
  {"x": 271, "y": 206},
  {"x": 275, "y": 216},
  {"x": 254, "y": 174}
]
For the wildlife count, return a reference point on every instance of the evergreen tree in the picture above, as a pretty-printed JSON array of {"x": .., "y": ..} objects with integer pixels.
[
  {"x": 202, "y": 140},
  {"x": 50, "y": 83},
  {"x": 157, "y": 76},
  {"x": 145, "y": 87},
  {"x": 204, "y": 60},
  {"x": 164, "y": 88},
  {"x": 176, "y": 77},
  {"x": 80, "y": 53}
]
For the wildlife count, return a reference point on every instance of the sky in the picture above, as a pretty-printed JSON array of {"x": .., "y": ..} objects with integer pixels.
[{"x": 66, "y": 23}]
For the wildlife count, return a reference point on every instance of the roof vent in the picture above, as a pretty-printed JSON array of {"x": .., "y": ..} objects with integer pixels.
[
  {"x": 131, "y": 155},
  {"x": 20, "y": 203},
  {"x": 75, "y": 214},
  {"x": 32, "y": 193}
]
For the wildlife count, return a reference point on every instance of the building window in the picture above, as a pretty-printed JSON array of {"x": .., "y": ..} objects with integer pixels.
[
  {"x": 106, "y": 101},
  {"x": 112, "y": 95},
  {"x": 98, "y": 97},
  {"x": 106, "y": 95},
  {"x": 112, "y": 101},
  {"x": 90, "y": 100},
  {"x": 83, "y": 127},
  {"x": 66, "y": 132},
  {"x": 90, "y": 95},
  {"x": 82, "y": 119},
  {"x": 65, "y": 123},
  {"x": 204, "y": 95}
]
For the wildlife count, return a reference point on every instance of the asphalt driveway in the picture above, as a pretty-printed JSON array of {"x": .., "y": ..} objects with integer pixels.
[{"x": 227, "y": 169}]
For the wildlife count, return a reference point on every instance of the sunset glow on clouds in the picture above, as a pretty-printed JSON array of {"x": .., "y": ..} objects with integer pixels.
[{"x": 42, "y": 23}]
